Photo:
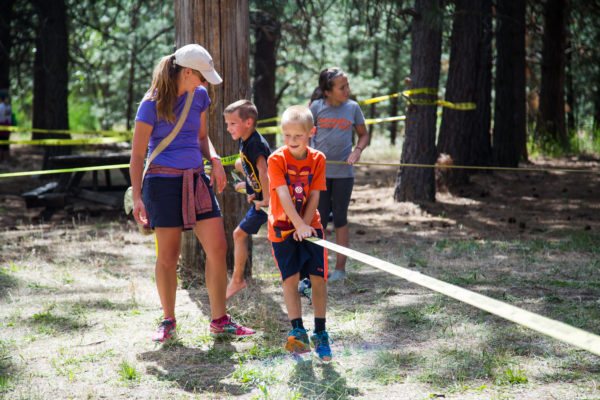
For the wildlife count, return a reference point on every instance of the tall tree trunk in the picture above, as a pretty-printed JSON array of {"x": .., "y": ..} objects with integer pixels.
[
  {"x": 510, "y": 133},
  {"x": 551, "y": 129},
  {"x": 457, "y": 126},
  {"x": 5, "y": 42},
  {"x": 50, "y": 81},
  {"x": 267, "y": 32},
  {"x": 481, "y": 140},
  {"x": 223, "y": 28},
  {"x": 416, "y": 184},
  {"x": 132, "y": 55}
]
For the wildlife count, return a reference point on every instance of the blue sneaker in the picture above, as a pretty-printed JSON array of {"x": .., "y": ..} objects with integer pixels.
[
  {"x": 297, "y": 341},
  {"x": 320, "y": 340}
]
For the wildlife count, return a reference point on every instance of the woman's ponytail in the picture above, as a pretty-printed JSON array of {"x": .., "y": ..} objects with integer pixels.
[{"x": 164, "y": 87}]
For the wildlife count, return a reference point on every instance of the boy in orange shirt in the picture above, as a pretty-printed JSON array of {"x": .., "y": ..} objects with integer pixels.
[{"x": 296, "y": 176}]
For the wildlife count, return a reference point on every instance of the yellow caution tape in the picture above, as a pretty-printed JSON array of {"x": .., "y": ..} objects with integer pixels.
[
  {"x": 229, "y": 160},
  {"x": 68, "y": 142},
  {"x": 371, "y": 121},
  {"x": 60, "y": 171},
  {"x": 66, "y": 131},
  {"x": 380, "y": 98},
  {"x": 264, "y": 121},
  {"x": 433, "y": 91},
  {"x": 269, "y": 130},
  {"x": 556, "y": 329},
  {"x": 473, "y": 167}
]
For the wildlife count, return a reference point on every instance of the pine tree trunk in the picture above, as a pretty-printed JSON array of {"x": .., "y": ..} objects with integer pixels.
[
  {"x": 50, "y": 81},
  {"x": 509, "y": 138},
  {"x": 551, "y": 127},
  {"x": 267, "y": 32},
  {"x": 416, "y": 183},
  {"x": 481, "y": 139},
  {"x": 5, "y": 42},
  {"x": 223, "y": 28},
  {"x": 457, "y": 128}
]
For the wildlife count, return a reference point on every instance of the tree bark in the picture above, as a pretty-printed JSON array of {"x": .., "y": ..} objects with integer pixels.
[
  {"x": 510, "y": 134},
  {"x": 417, "y": 184},
  {"x": 551, "y": 129},
  {"x": 50, "y": 81},
  {"x": 5, "y": 42},
  {"x": 481, "y": 139},
  {"x": 267, "y": 32},
  {"x": 457, "y": 127},
  {"x": 222, "y": 28}
]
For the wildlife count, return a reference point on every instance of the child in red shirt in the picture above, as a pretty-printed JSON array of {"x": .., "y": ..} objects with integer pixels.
[{"x": 296, "y": 177}]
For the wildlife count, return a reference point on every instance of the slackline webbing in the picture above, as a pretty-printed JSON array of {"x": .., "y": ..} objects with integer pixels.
[{"x": 556, "y": 329}]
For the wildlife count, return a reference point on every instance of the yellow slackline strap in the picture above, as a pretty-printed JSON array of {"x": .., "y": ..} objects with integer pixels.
[
  {"x": 556, "y": 329},
  {"x": 66, "y": 131},
  {"x": 229, "y": 160},
  {"x": 525, "y": 169},
  {"x": 68, "y": 142}
]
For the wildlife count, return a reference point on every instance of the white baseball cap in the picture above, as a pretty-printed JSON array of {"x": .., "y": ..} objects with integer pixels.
[{"x": 196, "y": 57}]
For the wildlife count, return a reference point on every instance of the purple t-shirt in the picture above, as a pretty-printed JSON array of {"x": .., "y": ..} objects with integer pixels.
[{"x": 184, "y": 151}]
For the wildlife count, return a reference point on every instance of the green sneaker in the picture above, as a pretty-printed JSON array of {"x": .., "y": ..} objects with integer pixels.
[
  {"x": 297, "y": 341},
  {"x": 320, "y": 340}
]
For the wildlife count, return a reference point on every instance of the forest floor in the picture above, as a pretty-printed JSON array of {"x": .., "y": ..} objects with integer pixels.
[{"x": 78, "y": 303}]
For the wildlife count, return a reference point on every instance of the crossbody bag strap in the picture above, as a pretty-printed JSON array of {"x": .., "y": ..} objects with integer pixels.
[{"x": 166, "y": 141}]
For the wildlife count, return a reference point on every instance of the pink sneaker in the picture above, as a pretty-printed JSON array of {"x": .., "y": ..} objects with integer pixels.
[
  {"x": 229, "y": 327},
  {"x": 167, "y": 330}
]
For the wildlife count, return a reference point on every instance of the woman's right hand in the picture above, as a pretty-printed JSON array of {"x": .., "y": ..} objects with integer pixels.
[{"x": 139, "y": 212}]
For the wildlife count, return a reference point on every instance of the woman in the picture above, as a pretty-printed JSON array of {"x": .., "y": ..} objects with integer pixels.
[{"x": 177, "y": 195}]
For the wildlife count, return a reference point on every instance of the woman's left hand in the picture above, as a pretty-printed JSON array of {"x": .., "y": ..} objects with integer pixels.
[{"x": 218, "y": 175}]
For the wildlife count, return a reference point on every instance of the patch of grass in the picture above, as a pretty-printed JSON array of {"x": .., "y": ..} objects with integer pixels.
[
  {"x": 7, "y": 374},
  {"x": 50, "y": 323},
  {"x": 128, "y": 372},
  {"x": 512, "y": 376},
  {"x": 389, "y": 367},
  {"x": 249, "y": 375},
  {"x": 414, "y": 316},
  {"x": 262, "y": 352}
]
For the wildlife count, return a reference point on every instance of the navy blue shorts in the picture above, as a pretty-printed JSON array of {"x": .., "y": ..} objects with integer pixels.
[
  {"x": 162, "y": 198},
  {"x": 253, "y": 221},
  {"x": 304, "y": 257},
  {"x": 336, "y": 199}
]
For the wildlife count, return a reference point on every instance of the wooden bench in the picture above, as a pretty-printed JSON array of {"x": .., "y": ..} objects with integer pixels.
[{"x": 68, "y": 188}]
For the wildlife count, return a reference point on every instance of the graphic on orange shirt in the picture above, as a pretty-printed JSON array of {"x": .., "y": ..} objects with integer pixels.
[{"x": 297, "y": 181}]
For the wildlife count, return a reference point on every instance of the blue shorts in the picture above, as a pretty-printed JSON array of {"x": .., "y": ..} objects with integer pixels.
[
  {"x": 162, "y": 198},
  {"x": 303, "y": 257},
  {"x": 336, "y": 199},
  {"x": 253, "y": 221}
]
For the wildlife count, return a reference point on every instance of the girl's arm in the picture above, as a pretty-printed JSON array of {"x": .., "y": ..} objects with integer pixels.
[
  {"x": 303, "y": 230},
  {"x": 208, "y": 152},
  {"x": 139, "y": 147},
  {"x": 363, "y": 141}
]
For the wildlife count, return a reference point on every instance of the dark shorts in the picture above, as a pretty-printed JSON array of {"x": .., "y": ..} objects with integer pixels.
[
  {"x": 162, "y": 198},
  {"x": 336, "y": 199},
  {"x": 253, "y": 221},
  {"x": 304, "y": 257}
]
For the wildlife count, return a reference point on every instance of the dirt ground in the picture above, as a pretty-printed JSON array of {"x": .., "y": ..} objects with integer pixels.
[{"x": 511, "y": 235}]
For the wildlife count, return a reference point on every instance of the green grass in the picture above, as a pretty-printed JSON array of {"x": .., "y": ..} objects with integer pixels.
[{"x": 128, "y": 372}]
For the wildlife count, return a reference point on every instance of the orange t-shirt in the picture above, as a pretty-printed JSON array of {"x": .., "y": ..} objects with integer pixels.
[{"x": 301, "y": 177}]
